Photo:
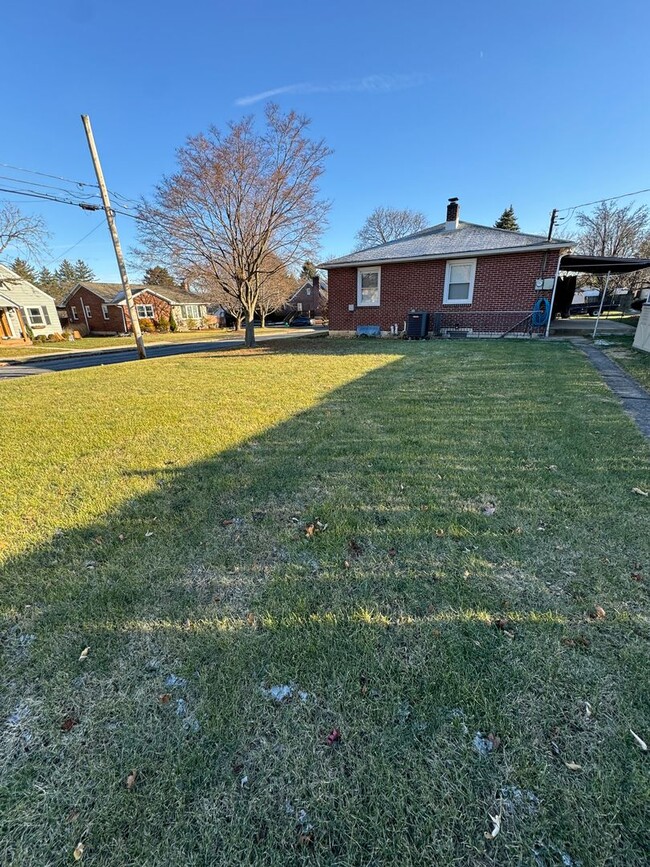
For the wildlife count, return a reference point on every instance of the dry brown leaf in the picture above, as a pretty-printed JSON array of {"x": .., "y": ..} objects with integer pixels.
[
  {"x": 572, "y": 766},
  {"x": 639, "y": 742},
  {"x": 69, "y": 723},
  {"x": 84, "y": 654},
  {"x": 78, "y": 852},
  {"x": 72, "y": 816},
  {"x": 165, "y": 698},
  {"x": 130, "y": 780},
  {"x": 496, "y": 826},
  {"x": 597, "y": 613}
]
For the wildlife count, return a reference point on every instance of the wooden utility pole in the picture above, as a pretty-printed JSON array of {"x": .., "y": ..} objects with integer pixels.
[
  {"x": 552, "y": 224},
  {"x": 110, "y": 219}
]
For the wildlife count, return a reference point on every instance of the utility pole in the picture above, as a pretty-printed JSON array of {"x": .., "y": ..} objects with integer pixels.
[
  {"x": 110, "y": 219},
  {"x": 550, "y": 228}
]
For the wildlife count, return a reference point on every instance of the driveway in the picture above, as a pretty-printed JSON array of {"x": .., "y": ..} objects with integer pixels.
[{"x": 76, "y": 361}]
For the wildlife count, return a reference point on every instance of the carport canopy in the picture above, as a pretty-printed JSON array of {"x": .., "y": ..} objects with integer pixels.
[{"x": 602, "y": 264}]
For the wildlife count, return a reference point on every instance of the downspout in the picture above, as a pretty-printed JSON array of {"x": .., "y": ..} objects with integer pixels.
[
  {"x": 602, "y": 302},
  {"x": 83, "y": 307},
  {"x": 550, "y": 315}
]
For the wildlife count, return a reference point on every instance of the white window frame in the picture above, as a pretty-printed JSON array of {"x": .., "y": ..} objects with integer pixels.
[
  {"x": 190, "y": 311},
  {"x": 450, "y": 262},
  {"x": 89, "y": 312},
  {"x": 73, "y": 311},
  {"x": 105, "y": 312},
  {"x": 360, "y": 272},
  {"x": 141, "y": 310},
  {"x": 39, "y": 320}
]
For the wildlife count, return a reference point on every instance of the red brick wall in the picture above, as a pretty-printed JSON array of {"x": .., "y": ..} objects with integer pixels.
[
  {"x": 96, "y": 321},
  {"x": 504, "y": 292},
  {"x": 161, "y": 309}
]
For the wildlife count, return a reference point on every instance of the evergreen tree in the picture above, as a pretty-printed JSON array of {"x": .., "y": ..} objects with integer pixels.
[
  {"x": 83, "y": 272},
  {"x": 46, "y": 280},
  {"x": 25, "y": 270},
  {"x": 308, "y": 271},
  {"x": 507, "y": 220},
  {"x": 159, "y": 276}
]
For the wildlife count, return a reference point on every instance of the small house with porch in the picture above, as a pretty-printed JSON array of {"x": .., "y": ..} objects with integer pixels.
[{"x": 25, "y": 310}]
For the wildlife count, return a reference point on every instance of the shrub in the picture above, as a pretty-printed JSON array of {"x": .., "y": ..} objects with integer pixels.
[
  {"x": 40, "y": 338},
  {"x": 147, "y": 326},
  {"x": 173, "y": 325},
  {"x": 210, "y": 322},
  {"x": 191, "y": 324},
  {"x": 163, "y": 324}
]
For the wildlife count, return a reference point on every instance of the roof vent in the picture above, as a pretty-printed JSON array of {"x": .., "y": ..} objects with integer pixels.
[{"x": 453, "y": 210}]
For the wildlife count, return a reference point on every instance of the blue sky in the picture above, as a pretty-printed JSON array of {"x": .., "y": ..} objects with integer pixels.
[{"x": 538, "y": 104}]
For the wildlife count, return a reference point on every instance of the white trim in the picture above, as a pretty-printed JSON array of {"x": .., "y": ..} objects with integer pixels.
[
  {"x": 89, "y": 311},
  {"x": 537, "y": 248},
  {"x": 41, "y": 319},
  {"x": 366, "y": 270},
  {"x": 454, "y": 301},
  {"x": 105, "y": 312},
  {"x": 73, "y": 313},
  {"x": 145, "y": 315}
]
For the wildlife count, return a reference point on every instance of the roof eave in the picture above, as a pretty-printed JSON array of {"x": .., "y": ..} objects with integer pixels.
[{"x": 464, "y": 254}]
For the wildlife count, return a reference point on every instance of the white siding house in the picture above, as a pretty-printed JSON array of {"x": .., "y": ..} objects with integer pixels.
[{"x": 37, "y": 308}]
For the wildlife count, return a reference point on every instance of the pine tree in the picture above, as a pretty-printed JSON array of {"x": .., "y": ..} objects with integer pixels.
[
  {"x": 83, "y": 272},
  {"x": 46, "y": 280},
  {"x": 159, "y": 276},
  {"x": 25, "y": 270},
  {"x": 507, "y": 220}
]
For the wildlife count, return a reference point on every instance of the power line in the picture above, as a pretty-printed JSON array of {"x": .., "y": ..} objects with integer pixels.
[
  {"x": 81, "y": 240},
  {"x": 46, "y": 175},
  {"x": 86, "y": 206},
  {"x": 600, "y": 201}
]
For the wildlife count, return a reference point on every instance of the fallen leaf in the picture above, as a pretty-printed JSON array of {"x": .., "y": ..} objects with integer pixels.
[
  {"x": 572, "y": 766},
  {"x": 587, "y": 709},
  {"x": 346, "y": 564},
  {"x": 310, "y": 529},
  {"x": 489, "y": 510},
  {"x": 306, "y": 839},
  {"x": 552, "y": 467},
  {"x": 640, "y": 491},
  {"x": 69, "y": 723},
  {"x": 392, "y": 552},
  {"x": 84, "y": 654},
  {"x": 496, "y": 826},
  {"x": 72, "y": 816},
  {"x": 495, "y": 740},
  {"x": 597, "y": 613},
  {"x": 440, "y": 532},
  {"x": 165, "y": 698},
  {"x": 130, "y": 780},
  {"x": 637, "y": 576},
  {"x": 227, "y": 522},
  {"x": 509, "y": 634},
  {"x": 333, "y": 737},
  {"x": 640, "y": 743},
  {"x": 121, "y": 537},
  {"x": 501, "y": 623},
  {"x": 78, "y": 852},
  {"x": 354, "y": 548},
  {"x": 148, "y": 533}
]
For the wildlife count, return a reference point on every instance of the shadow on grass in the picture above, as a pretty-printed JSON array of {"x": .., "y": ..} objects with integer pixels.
[{"x": 345, "y": 553}]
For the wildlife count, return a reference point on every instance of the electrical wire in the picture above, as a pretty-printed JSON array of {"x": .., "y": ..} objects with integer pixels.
[
  {"x": 86, "y": 206},
  {"x": 600, "y": 201},
  {"x": 80, "y": 241}
]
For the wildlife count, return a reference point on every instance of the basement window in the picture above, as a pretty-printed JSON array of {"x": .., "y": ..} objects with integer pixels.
[
  {"x": 459, "y": 281},
  {"x": 368, "y": 287}
]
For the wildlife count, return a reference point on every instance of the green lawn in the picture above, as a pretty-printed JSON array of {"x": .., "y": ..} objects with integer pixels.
[
  {"x": 116, "y": 342},
  {"x": 412, "y": 537},
  {"x": 634, "y": 361}
]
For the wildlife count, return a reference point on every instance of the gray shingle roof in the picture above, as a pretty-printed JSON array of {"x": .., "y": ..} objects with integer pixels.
[
  {"x": 113, "y": 293},
  {"x": 438, "y": 242}
]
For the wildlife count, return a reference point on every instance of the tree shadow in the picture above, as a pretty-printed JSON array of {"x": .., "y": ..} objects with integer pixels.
[{"x": 345, "y": 553}]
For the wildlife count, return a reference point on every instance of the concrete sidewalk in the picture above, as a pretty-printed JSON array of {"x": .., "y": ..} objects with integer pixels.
[{"x": 634, "y": 398}]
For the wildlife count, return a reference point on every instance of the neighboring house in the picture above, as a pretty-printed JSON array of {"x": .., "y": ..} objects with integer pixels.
[
  {"x": 100, "y": 308},
  {"x": 472, "y": 280},
  {"x": 310, "y": 298},
  {"x": 24, "y": 307}
]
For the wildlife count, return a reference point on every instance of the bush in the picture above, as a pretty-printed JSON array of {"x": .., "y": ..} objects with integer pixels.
[
  {"x": 210, "y": 322},
  {"x": 191, "y": 324},
  {"x": 163, "y": 324},
  {"x": 40, "y": 338},
  {"x": 147, "y": 326},
  {"x": 173, "y": 325}
]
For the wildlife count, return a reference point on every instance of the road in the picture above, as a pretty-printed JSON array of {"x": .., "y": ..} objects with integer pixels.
[{"x": 51, "y": 365}]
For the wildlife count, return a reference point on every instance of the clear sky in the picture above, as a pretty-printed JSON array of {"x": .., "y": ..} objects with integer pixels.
[{"x": 538, "y": 104}]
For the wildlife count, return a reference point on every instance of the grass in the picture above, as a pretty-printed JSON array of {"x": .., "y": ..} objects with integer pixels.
[
  {"x": 412, "y": 535},
  {"x": 116, "y": 342},
  {"x": 634, "y": 361}
]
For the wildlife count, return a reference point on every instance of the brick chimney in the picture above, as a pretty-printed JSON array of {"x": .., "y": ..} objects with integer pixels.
[{"x": 453, "y": 210}]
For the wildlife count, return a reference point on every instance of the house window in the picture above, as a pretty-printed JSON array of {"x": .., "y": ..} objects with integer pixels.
[
  {"x": 46, "y": 315},
  {"x": 299, "y": 306},
  {"x": 73, "y": 311},
  {"x": 89, "y": 312},
  {"x": 105, "y": 311},
  {"x": 145, "y": 311},
  {"x": 308, "y": 290},
  {"x": 368, "y": 287},
  {"x": 459, "y": 281},
  {"x": 35, "y": 315},
  {"x": 190, "y": 311}
]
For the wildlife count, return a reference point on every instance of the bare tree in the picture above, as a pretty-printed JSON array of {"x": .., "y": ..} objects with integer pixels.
[
  {"x": 237, "y": 197},
  {"x": 615, "y": 230},
  {"x": 388, "y": 224},
  {"x": 21, "y": 231},
  {"x": 275, "y": 287}
]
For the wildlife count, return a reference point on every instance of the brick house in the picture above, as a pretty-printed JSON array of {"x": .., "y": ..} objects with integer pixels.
[
  {"x": 100, "y": 308},
  {"x": 310, "y": 299},
  {"x": 472, "y": 280}
]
